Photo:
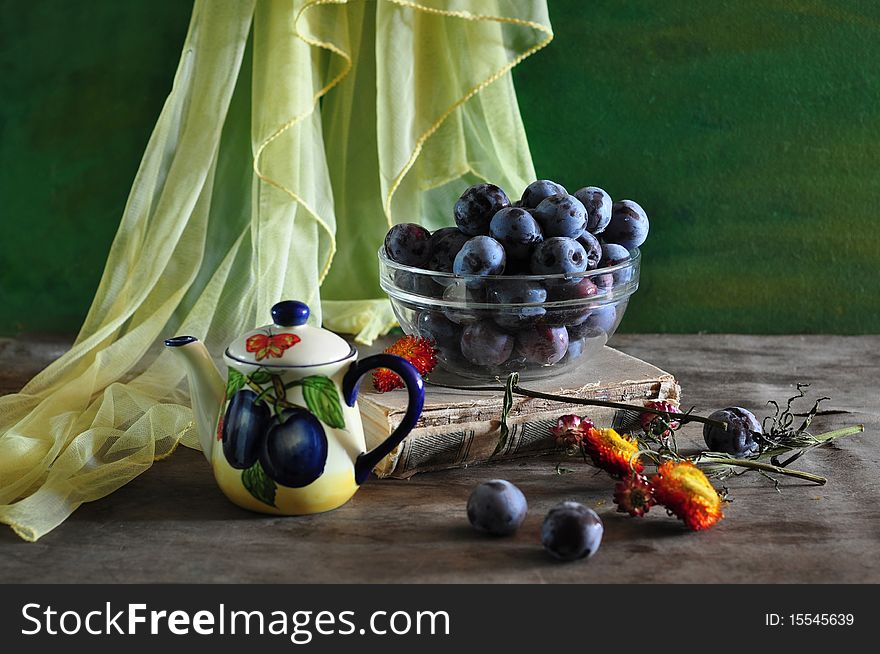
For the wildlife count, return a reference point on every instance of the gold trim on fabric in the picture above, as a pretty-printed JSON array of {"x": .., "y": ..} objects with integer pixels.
[{"x": 420, "y": 142}]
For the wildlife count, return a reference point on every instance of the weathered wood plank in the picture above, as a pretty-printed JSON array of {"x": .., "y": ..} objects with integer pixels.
[{"x": 171, "y": 524}]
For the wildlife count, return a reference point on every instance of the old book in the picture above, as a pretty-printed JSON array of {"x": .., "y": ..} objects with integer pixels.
[{"x": 460, "y": 428}]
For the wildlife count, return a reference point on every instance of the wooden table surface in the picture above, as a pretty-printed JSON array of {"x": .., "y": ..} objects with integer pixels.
[{"x": 171, "y": 524}]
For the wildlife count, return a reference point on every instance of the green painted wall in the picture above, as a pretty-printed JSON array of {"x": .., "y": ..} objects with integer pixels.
[{"x": 749, "y": 130}]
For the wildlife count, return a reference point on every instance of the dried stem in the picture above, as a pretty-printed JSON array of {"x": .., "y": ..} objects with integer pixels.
[{"x": 519, "y": 390}]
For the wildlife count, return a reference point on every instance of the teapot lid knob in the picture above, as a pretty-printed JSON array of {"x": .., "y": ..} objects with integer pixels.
[{"x": 290, "y": 313}]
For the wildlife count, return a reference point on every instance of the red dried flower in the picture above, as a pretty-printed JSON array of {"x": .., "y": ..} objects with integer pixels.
[
  {"x": 615, "y": 454},
  {"x": 685, "y": 491},
  {"x": 571, "y": 430},
  {"x": 634, "y": 495},
  {"x": 653, "y": 423},
  {"x": 418, "y": 351}
]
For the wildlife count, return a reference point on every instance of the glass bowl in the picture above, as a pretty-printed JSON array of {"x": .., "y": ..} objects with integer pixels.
[{"x": 485, "y": 327}]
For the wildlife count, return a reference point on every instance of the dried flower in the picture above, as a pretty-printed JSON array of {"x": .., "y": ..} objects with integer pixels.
[
  {"x": 656, "y": 424},
  {"x": 418, "y": 351},
  {"x": 685, "y": 491},
  {"x": 571, "y": 430},
  {"x": 615, "y": 454},
  {"x": 634, "y": 495}
]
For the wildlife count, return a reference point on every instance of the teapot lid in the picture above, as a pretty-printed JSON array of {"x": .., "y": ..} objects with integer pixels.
[{"x": 289, "y": 341}]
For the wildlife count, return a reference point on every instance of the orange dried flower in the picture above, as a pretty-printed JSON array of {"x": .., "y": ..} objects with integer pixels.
[
  {"x": 418, "y": 351},
  {"x": 684, "y": 490},
  {"x": 615, "y": 454}
]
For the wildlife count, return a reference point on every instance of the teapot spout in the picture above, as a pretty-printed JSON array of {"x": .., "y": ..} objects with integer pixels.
[{"x": 206, "y": 387}]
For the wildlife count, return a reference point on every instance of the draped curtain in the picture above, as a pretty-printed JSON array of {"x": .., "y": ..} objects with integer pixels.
[{"x": 296, "y": 132}]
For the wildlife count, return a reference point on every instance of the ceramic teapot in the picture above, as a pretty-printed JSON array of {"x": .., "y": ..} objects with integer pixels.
[{"x": 283, "y": 433}]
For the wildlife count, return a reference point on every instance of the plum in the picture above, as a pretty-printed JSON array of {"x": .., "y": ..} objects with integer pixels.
[
  {"x": 581, "y": 289},
  {"x": 480, "y": 256},
  {"x": 739, "y": 437},
  {"x": 516, "y": 291},
  {"x": 571, "y": 531},
  {"x": 593, "y": 249},
  {"x": 559, "y": 255},
  {"x": 598, "y": 205},
  {"x": 538, "y": 191},
  {"x": 483, "y": 344},
  {"x": 517, "y": 231},
  {"x": 408, "y": 244},
  {"x": 561, "y": 215},
  {"x": 542, "y": 344},
  {"x": 474, "y": 209},
  {"x": 445, "y": 244},
  {"x": 497, "y": 507},
  {"x": 628, "y": 226}
]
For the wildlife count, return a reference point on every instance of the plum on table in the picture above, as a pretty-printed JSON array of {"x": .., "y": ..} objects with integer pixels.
[
  {"x": 739, "y": 437},
  {"x": 497, "y": 507},
  {"x": 571, "y": 531}
]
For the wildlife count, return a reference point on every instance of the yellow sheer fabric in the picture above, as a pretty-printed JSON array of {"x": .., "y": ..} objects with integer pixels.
[{"x": 295, "y": 133}]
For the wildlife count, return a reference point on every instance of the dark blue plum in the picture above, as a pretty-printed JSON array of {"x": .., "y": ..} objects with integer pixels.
[
  {"x": 600, "y": 322},
  {"x": 559, "y": 255},
  {"x": 497, "y": 508},
  {"x": 408, "y": 244},
  {"x": 598, "y": 205},
  {"x": 483, "y": 344},
  {"x": 436, "y": 327},
  {"x": 542, "y": 344},
  {"x": 739, "y": 438},
  {"x": 561, "y": 215},
  {"x": 575, "y": 349},
  {"x": 580, "y": 290},
  {"x": 517, "y": 231},
  {"x": 295, "y": 449},
  {"x": 445, "y": 244},
  {"x": 613, "y": 254},
  {"x": 481, "y": 255},
  {"x": 538, "y": 191},
  {"x": 244, "y": 429},
  {"x": 571, "y": 531},
  {"x": 474, "y": 209},
  {"x": 593, "y": 249},
  {"x": 463, "y": 295},
  {"x": 628, "y": 226},
  {"x": 419, "y": 284},
  {"x": 516, "y": 291}
]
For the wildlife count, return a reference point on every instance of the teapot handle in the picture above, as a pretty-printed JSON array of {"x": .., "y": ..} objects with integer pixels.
[{"x": 415, "y": 387}]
